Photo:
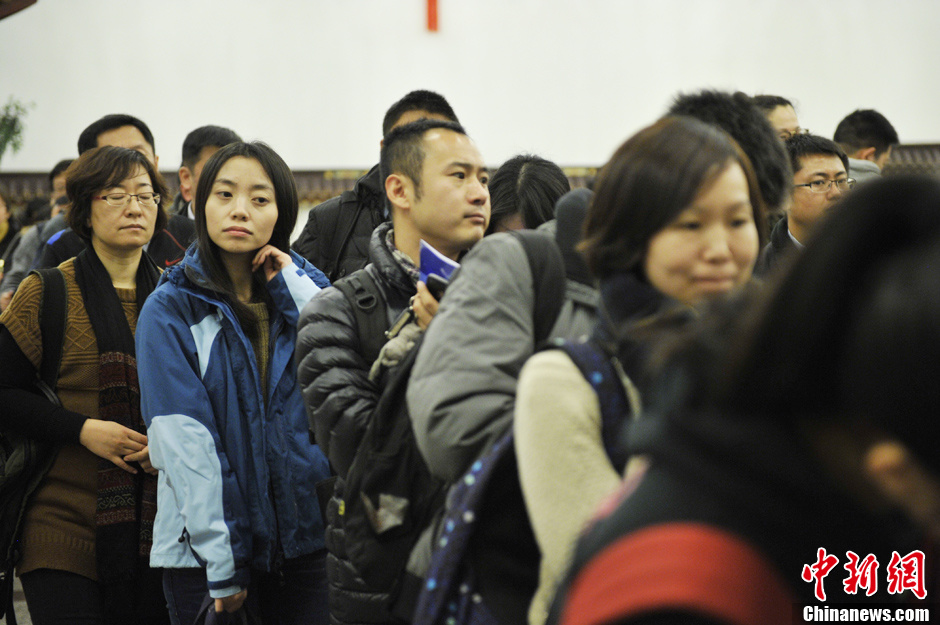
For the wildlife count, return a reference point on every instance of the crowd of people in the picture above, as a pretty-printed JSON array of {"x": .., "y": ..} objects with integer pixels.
[{"x": 682, "y": 395}]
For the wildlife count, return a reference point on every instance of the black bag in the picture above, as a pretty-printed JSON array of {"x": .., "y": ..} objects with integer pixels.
[
  {"x": 390, "y": 496},
  {"x": 25, "y": 462},
  {"x": 208, "y": 616}
]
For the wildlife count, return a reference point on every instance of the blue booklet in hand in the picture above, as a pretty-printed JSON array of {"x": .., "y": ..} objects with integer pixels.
[{"x": 433, "y": 262}]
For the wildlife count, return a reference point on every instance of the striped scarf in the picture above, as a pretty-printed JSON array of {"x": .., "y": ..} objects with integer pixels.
[{"x": 127, "y": 503}]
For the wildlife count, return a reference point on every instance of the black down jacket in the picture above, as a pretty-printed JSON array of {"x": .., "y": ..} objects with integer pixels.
[{"x": 340, "y": 399}]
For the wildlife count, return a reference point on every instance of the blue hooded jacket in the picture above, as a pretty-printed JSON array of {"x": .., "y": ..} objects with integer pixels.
[{"x": 237, "y": 476}]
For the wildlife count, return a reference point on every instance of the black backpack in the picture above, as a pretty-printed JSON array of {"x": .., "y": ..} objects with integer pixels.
[
  {"x": 390, "y": 495},
  {"x": 484, "y": 570},
  {"x": 25, "y": 462}
]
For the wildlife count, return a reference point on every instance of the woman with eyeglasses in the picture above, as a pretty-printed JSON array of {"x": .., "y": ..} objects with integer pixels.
[
  {"x": 239, "y": 523},
  {"x": 87, "y": 531}
]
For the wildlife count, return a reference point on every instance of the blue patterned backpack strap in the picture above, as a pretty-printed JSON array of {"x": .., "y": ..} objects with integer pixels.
[
  {"x": 449, "y": 592},
  {"x": 618, "y": 397}
]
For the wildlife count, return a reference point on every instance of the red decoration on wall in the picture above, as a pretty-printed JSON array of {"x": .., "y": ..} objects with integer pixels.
[{"x": 432, "y": 16}]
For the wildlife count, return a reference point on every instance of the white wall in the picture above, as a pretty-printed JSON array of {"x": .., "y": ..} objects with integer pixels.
[{"x": 567, "y": 79}]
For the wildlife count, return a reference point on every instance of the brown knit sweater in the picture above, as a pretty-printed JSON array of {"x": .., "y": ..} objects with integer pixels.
[
  {"x": 261, "y": 344},
  {"x": 59, "y": 529}
]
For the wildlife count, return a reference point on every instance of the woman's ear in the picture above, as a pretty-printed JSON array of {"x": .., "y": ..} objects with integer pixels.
[{"x": 902, "y": 480}]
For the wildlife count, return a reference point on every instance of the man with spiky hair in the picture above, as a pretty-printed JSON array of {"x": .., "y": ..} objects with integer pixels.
[
  {"x": 336, "y": 236},
  {"x": 434, "y": 182}
]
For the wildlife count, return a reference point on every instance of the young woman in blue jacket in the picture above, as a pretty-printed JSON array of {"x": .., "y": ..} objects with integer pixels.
[{"x": 238, "y": 517}]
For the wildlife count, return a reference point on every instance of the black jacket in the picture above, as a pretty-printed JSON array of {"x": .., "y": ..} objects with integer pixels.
[
  {"x": 755, "y": 479},
  {"x": 166, "y": 248},
  {"x": 781, "y": 246},
  {"x": 337, "y": 234},
  {"x": 340, "y": 400},
  {"x": 12, "y": 231}
]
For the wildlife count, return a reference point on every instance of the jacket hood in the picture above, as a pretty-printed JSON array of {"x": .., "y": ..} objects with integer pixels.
[{"x": 370, "y": 183}]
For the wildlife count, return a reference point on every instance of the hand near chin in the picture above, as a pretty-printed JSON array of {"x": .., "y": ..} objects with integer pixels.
[{"x": 272, "y": 260}]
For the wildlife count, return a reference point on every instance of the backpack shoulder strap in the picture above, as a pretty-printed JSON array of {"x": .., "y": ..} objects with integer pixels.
[
  {"x": 548, "y": 278},
  {"x": 616, "y": 393},
  {"x": 52, "y": 315},
  {"x": 368, "y": 306},
  {"x": 698, "y": 568}
]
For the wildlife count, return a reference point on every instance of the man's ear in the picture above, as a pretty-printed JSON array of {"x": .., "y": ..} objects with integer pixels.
[
  {"x": 865, "y": 154},
  {"x": 898, "y": 475},
  {"x": 398, "y": 190},
  {"x": 186, "y": 184}
]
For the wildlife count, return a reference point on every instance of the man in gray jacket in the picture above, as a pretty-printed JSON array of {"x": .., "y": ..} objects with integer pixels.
[{"x": 336, "y": 236}]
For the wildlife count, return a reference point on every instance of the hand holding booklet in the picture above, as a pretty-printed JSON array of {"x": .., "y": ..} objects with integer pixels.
[{"x": 436, "y": 265}]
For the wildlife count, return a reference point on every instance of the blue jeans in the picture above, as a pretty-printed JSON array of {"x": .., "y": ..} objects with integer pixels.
[{"x": 296, "y": 595}]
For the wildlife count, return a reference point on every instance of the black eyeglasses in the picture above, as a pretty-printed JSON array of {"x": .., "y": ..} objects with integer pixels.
[
  {"x": 123, "y": 199},
  {"x": 823, "y": 186},
  {"x": 787, "y": 134}
]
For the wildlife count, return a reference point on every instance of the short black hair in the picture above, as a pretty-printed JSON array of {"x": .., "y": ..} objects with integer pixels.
[
  {"x": 420, "y": 100},
  {"x": 403, "y": 149},
  {"x": 59, "y": 168},
  {"x": 527, "y": 185},
  {"x": 799, "y": 146},
  {"x": 768, "y": 103},
  {"x": 866, "y": 128},
  {"x": 736, "y": 114},
  {"x": 205, "y": 137},
  {"x": 89, "y": 137}
]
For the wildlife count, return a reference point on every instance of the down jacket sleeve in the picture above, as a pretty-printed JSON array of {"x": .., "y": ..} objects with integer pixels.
[
  {"x": 463, "y": 387},
  {"x": 333, "y": 377},
  {"x": 185, "y": 441}
]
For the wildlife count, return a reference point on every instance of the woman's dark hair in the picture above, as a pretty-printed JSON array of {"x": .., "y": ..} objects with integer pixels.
[
  {"x": 528, "y": 185},
  {"x": 648, "y": 182},
  {"x": 103, "y": 168},
  {"x": 285, "y": 197},
  {"x": 852, "y": 331}
]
